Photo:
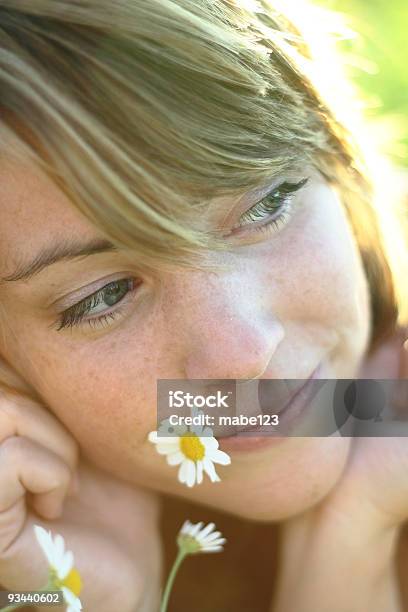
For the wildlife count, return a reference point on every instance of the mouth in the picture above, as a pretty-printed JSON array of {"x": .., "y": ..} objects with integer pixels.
[
  {"x": 296, "y": 390},
  {"x": 286, "y": 399}
]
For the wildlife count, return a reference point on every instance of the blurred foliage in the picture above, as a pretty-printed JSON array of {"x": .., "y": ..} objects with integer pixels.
[{"x": 380, "y": 54}]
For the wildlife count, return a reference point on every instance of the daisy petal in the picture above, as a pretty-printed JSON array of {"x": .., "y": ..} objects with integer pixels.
[
  {"x": 199, "y": 467},
  {"x": 197, "y": 429},
  {"x": 196, "y": 528},
  {"x": 182, "y": 475},
  {"x": 167, "y": 440},
  {"x": 220, "y": 457},
  {"x": 167, "y": 449},
  {"x": 216, "y": 542},
  {"x": 185, "y": 527},
  {"x": 207, "y": 529},
  {"x": 45, "y": 540},
  {"x": 66, "y": 565},
  {"x": 208, "y": 433},
  {"x": 210, "y": 443},
  {"x": 152, "y": 437},
  {"x": 204, "y": 539},
  {"x": 196, "y": 412},
  {"x": 212, "y": 536},
  {"x": 167, "y": 428},
  {"x": 177, "y": 431},
  {"x": 191, "y": 473},
  {"x": 209, "y": 468},
  {"x": 175, "y": 458},
  {"x": 74, "y": 604},
  {"x": 59, "y": 547}
]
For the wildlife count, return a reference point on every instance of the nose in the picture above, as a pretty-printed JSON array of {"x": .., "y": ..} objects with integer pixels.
[{"x": 226, "y": 329}]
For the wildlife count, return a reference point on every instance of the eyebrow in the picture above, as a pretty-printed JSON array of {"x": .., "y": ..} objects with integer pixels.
[{"x": 62, "y": 251}]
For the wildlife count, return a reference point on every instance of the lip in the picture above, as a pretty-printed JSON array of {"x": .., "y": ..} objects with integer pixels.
[{"x": 249, "y": 439}]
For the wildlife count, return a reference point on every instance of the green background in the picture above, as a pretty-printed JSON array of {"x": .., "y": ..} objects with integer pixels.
[{"x": 382, "y": 45}]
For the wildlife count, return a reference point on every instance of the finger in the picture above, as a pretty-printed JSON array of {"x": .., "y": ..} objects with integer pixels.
[
  {"x": 378, "y": 469},
  {"x": 404, "y": 360},
  {"x": 27, "y": 466},
  {"x": 400, "y": 395},
  {"x": 21, "y": 416}
]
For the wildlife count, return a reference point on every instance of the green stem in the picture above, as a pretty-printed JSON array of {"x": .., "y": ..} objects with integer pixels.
[
  {"x": 14, "y": 606},
  {"x": 170, "y": 580}
]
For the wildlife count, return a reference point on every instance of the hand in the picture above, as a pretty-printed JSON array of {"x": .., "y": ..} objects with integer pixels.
[
  {"x": 374, "y": 484},
  {"x": 340, "y": 555},
  {"x": 110, "y": 526}
]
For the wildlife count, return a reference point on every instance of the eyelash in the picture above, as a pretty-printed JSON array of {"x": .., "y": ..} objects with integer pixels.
[
  {"x": 281, "y": 197},
  {"x": 74, "y": 315}
]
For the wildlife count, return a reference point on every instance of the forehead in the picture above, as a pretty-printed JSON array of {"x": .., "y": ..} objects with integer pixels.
[{"x": 33, "y": 210}]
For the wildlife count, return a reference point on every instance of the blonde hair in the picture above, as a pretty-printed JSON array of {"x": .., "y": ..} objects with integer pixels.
[{"x": 143, "y": 111}]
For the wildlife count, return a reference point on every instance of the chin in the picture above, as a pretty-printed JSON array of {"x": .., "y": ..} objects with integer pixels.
[{"x": 289, "y": 484}]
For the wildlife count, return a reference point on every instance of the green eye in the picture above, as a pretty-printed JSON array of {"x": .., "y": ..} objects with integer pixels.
[
  {"x": 276, "y": 201},
  {"x": 99, "y": 302}
]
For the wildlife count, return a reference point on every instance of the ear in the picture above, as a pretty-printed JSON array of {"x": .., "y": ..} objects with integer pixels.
[{"x": 12, "y": 381}]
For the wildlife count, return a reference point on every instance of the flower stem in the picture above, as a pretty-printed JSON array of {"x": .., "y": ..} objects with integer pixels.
[{"x": 170, "y": 580}]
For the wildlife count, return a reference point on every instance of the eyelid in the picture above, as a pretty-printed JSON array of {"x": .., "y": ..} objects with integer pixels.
[
  {"x": 77, "y": 315},
  {"x": 88, "y": 291},
  {"x": 248, "y": 201},
  {"x": 287, "y": 190}
]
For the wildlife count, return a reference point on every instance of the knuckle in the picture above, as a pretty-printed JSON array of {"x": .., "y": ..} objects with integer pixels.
[
  {"x": 59, "y": 477},
  {"x": 17, "y": 450},
  {"x": 11, "y": 449},
  {"x": 16, "y": 408},
  {"x": 55, "y": 484}
]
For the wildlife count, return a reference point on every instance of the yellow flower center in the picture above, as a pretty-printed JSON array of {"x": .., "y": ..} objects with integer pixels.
[
  {"x": 192, "y": 447},
  {"x": 72, "y": 582}
]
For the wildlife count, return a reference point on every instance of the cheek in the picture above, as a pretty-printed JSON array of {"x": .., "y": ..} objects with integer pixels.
[
  {"x": 104, "y": 397},
  {"x": 326, "y": 281}
]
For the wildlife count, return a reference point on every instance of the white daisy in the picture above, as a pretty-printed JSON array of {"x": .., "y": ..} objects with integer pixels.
[
  {"x": 193, "y": 539},
  {"x": 194, "y": 449},
  {"x": 166, "y": 429},
  {"x": 63, "y": 575}
]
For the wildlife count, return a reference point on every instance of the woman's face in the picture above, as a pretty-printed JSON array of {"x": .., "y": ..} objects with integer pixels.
[{"x": 294, "y": 297}]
